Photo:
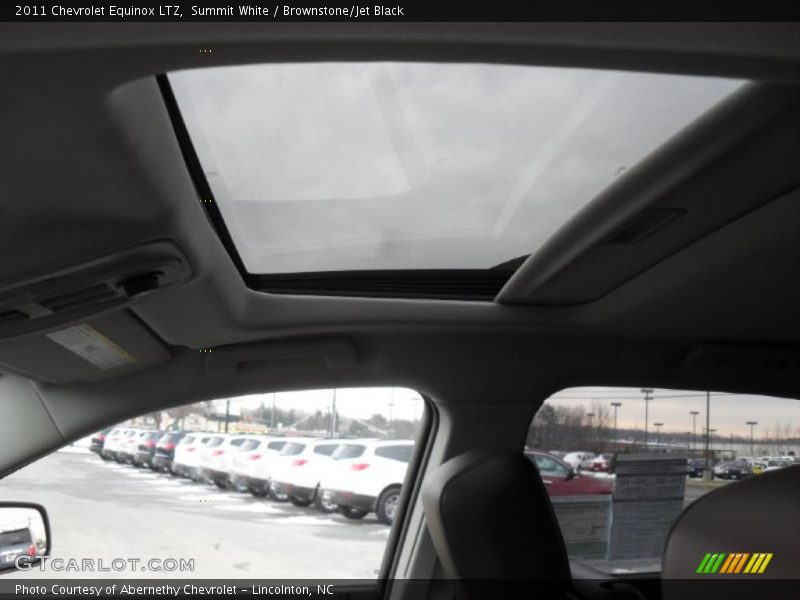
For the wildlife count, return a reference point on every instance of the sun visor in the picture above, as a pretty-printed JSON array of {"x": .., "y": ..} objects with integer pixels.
[
  {"x": 74, "y": 293},
  {"x": 96, "y": 349}
]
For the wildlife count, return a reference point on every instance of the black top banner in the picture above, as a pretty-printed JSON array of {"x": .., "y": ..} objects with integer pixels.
[{"x": 393, "y": 10}]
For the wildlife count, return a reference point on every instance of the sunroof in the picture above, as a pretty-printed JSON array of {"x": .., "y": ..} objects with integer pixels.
[{"x": 330, "y": 167}]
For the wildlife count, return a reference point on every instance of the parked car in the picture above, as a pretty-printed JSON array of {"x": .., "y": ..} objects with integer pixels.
[
  {"x": 562, "y": 479},
  {"x": 777, "y": 463},
  {"x": 186, "y": 459},
  {"x": 98, "y": 441},
  {"x": 243, "y": 461},
  {"x": 164, "y": 450},
  {"x": 599, "y": 464},
  {"x": 216, "y": 457},
  {"x": 299, "y": 469},
  {"x": 695, "y": 467},
  {"x": 732, "y": 469},
  {"x": 577, "y": 459},
  {"x": 367, "y": 476},
  {"x": 129, "y": 445},
  {"x": 16, "y": 538},
  {"x": 252, "y": 469},
  {"x": 113, "y": 441},
  {"x": 143, "y": 453}
]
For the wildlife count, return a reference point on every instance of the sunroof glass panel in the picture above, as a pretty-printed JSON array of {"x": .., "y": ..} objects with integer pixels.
[{"x": 322, "y": 167}]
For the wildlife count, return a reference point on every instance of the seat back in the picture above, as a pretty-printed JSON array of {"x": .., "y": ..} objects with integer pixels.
[
  {"x": 490, "y": 518},
  {"x": 747, "y": 531}
]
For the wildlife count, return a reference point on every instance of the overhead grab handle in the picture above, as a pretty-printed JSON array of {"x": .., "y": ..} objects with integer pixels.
[{"x": 337, "y": 353}]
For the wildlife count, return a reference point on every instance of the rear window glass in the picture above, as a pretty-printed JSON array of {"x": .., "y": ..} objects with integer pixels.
[
  {"x": 15, "y": 538},
  {"x": 401, "y": 453},
  {"x": 292, "y": 449},
  {"x": 188, "y": 439},
  {"x": 214, "y": 442},
  {"x": 326, "y": 449},
  {"x": 250, "y": 445},
  {"x": 276, "y": 445},
  {"x": 169, "y": 438},
  {"x": 346, "y": 451}
]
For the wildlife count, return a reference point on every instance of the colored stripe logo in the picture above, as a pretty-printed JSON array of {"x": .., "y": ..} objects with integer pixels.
[{"x": 734, "y": 562}]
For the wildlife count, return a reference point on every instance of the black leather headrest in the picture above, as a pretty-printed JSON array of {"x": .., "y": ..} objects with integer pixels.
[
  {"x": 489, "y": 516},
  {"x": 760, "y": 515}
]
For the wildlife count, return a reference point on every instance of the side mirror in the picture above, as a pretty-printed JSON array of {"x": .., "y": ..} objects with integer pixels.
[
  {"x": 24, "y": 535},
  {"x": 572, "y": 474}
]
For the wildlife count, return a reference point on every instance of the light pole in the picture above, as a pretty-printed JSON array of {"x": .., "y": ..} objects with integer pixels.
[
  {"x": 273, "y": 410},
  {"x": 694, "y": 414},
  {"x": 709, "y": 450},
  {"x": 333, "y": 414},
  {"x": 752, "y": 424},
  {"x": 227, "y": 414},
  {"x": 647, "y": 398},
  {"x": 616, "y": 405},
  {"x": 707, "y": 473},
  {"x": 391, "y": 405},
  {"x": 658, "y": 433}
]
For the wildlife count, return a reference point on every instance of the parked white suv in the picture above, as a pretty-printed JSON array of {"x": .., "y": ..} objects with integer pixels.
[
  {"x": 366, "y": 476},
  {"x": 244, "y": 463},
  {"x": 297, "y": 471},
  {"x": 579, "y": 460},
  {"x": 187, "y": 454},
  {"x": 216, "y": 458},
  {"x": 116, "y": 440}
]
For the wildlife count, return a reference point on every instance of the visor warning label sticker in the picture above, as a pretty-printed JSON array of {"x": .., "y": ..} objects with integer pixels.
[{"x": 92, "y": 346}]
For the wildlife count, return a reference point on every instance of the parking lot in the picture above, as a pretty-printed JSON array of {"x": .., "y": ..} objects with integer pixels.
[{"x": 104, "y": 510}]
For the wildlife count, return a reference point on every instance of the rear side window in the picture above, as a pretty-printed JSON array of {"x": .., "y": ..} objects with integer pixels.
[
  {"x": 326, "y": 449},
  {"x": 400, "y": 453},
  {"x": 292, "y": 449},
  {"x": 346, "y": 451},
  {"x": 657, "y": 451}
]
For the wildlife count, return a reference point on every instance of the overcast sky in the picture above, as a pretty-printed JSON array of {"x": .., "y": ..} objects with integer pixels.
[
  {"x": 729, "y": 412},
  {"x": 361, "y": 403}
]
